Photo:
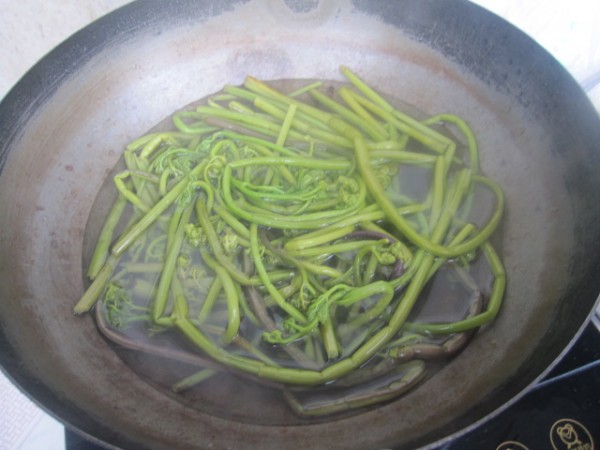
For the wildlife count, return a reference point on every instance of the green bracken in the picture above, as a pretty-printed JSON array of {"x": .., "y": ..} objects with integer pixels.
[{"x": 271, "y": 231}]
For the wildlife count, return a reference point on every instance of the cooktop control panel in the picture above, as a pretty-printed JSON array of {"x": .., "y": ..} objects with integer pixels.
[{"x": 560, "y": 413}]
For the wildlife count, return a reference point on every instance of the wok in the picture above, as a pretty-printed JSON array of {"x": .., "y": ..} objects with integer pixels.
[{"x": 63, "y": 126}]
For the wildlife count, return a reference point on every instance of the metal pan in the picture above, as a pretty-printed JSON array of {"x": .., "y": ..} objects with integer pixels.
[{"x": 64, "y": 125}]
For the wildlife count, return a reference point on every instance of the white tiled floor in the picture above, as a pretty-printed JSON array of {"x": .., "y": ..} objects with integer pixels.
[
  {"x": 570, "y": 30},
  {"x": 24, "y": 426}
]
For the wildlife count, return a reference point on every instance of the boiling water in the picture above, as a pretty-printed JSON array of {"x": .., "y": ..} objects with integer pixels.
[{"x": 162, "y": 357}]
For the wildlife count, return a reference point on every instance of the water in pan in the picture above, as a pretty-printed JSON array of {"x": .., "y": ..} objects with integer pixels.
[{"x": 163, "y": 357}]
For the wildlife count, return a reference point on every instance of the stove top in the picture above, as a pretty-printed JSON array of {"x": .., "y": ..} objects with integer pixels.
[{"x": 562, "y": 412}]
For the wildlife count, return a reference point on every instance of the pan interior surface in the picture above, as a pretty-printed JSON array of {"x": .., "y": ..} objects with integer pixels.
[{"x": 538, "y": 138}]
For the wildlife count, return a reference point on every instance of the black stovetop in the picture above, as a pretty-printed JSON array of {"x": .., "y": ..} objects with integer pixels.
[{"x": 562, "y": 412}]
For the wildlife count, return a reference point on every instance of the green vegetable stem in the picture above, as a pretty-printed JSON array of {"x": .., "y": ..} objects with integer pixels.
[{"x": 279, "y": 235}]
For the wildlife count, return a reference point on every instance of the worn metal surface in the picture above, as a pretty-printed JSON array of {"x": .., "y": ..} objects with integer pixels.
[{"x": 63, "y": 127}]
